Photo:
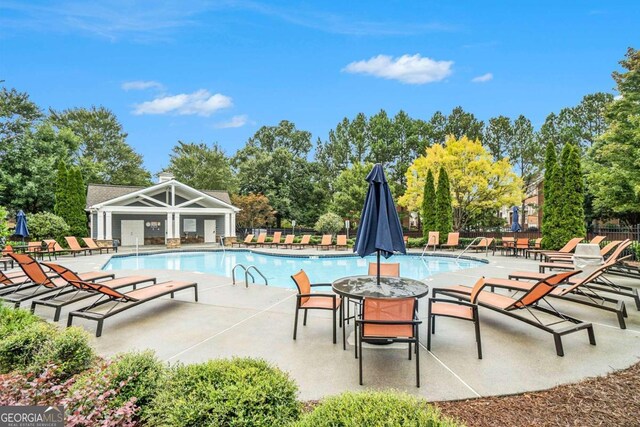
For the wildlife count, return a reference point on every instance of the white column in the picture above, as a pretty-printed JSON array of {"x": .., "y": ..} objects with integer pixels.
[
  {"x": 169, "y": 226},
  {"x": 100, "y": 235},
  {"x": 233, "y": 224},
  {"x": 91, "y": 224},
  {"x": 176, "y": 228},
  {"x": 227, "y": 225},
  {"x": 108, "y": 226}
]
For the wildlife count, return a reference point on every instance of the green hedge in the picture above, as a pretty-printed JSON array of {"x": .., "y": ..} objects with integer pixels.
[
  {"x": 225, "y": 392},
  {"x": 373, "y": 409}
]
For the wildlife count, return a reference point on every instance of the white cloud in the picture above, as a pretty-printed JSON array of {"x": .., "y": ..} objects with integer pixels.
[
  {"x": 141, "y": 85},
  {"x": 406, "y": 68},
  {"x": 483, "y": 78},
  {"x": 234, "y": 122},
  {"x": 200, "y": 103}
]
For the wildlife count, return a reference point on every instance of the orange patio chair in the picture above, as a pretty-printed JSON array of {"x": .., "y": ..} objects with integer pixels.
[
  {"x": 305, "y": 241},
  {"x": 597, "y": 240},
  {"x": 277, "y": 238},
  {"x": 341, "y": 241},
  {"x": 453, "y": 240},
  {"x": 433, "y": 239},
  {"x": 259, "y": 241},
  {"x": 247, "y": 241},
  {"x": 326, "y": 242},
  {"x": 91, "y": 244},
  {"x": 386, "y": 269},
  {"x": 74, "y": 246},
  {"x": 567, "y": 248},
  {"x": 456, "y": 309},
  {"x": 288, "y": 241},
  {"x": 307, "y": 300}
]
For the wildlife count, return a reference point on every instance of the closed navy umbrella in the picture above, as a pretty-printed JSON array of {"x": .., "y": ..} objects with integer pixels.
[
  {"x": 515, "y": 222},
  {"x": 21, "y": 225},
  {"x": 379, "y": 229}
]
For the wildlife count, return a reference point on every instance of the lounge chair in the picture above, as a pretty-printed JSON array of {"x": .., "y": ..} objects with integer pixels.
[
  {"x": 597, "y": 240},
  {"x": 54, "y": 248},
  {"x": 307, "y": 300},
  {"x": 277, "y": 238},
  {"x": 564, "y": 262},
  {"x": 74, "y": 246},
  {"x": 288, "y": 241},
  {"x": 37, "y": 249},
  {"x": 112, "y": 302},
  {"x": 305, "y": 241},
  {"x": 91, "y": 244},
  {"x": 6, "y": 260},
  {"x": 433, "y": 239},
  {"x": 39, "y": 282},
  {"x": 576, "y": 289},
  {"x": 66, "y": 295},
  {"x": 386, "y": 321},
  {"x": 529, "y": 301},
  {"x": 259, "y": 241},
  {"x": 326, "y": 242},
  {"x": 453, "y": 240},
  {"x": 247, "y": 241},
  {"x": 341, "y": 241},
  {"x": 566, "y": 249},
  {"x": 507, "y": 244},
  {"x": 483, "y": 245},
  {"x": 405, "y": 239}
]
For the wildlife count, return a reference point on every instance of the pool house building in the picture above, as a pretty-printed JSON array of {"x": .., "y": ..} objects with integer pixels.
[{"x": 168, "y": 212}]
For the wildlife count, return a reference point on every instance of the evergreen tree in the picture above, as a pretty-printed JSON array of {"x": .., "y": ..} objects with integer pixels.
[
  {"x": 61, "y": 198},
  {"x": 444, "y": 210},
  {"x": 551, "y": 198},
  {"x": 77, "y": 218},
  {"x": 428, "y": 206},
  {"x": 572, "y": 204}
]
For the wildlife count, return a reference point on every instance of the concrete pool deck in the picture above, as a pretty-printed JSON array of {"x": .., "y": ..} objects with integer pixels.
[{"x": 257, "y": 321}]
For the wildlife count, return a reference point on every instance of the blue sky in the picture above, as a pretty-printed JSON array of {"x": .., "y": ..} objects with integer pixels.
[{"x": 215, "y": 71}]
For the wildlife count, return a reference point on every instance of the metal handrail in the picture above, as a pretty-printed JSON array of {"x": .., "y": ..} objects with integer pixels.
[
  {"x": 266, "y": 282},
  {"x": 471, "y": 244},
  {"x": 246, "y": 273}
]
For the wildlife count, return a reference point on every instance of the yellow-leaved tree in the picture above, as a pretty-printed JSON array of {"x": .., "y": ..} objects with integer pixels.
[{"x": 477, "y": 182}]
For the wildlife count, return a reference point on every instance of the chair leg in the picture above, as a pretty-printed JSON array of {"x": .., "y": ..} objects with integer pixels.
[
  {"x": 417, "y": 358},
  {"x": 429, "y": 317},
  {"x": 409, "y": 351},
  {"x": 476, "y": 321},
  {"x": 304, "y": 322},
  {"x": 335, "y": 322},
  {"x": 295, "y": 322},
  {"x": 344, "y": 328},
  {"x": 360, "y": 359}
]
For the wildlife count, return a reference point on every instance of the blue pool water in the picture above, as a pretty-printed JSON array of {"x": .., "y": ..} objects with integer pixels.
[{"x": 278, "y": 269}]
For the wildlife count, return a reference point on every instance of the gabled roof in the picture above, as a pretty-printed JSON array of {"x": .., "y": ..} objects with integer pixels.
[{"x": 100, "y": 193}]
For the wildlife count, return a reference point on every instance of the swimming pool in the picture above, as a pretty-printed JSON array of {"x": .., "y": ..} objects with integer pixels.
[{"x": 278, "y": 268}]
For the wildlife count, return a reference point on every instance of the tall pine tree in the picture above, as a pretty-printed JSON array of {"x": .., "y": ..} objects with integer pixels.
[
  {"x": 61, "y": 197},
  {"x": 77, "y": 218},
  {"x": 428, "y": 206},
  {"x": 550, "y": 211},
  {"x": 444, "y": 210},
  {"x": 572, "y": 203}
]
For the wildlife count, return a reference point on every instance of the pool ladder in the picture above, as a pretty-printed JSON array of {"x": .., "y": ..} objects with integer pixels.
[
  {"x": 470, "y": 244},
  {"x": 247, "y": 274}
]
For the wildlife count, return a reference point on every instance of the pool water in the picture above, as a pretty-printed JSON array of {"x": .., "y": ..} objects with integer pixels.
[{"x": 278, "y": 269}]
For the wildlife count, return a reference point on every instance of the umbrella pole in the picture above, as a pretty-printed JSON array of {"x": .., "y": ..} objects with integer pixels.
[{"x": 378, "y": 252}]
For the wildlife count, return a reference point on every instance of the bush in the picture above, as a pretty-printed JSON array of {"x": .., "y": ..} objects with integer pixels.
[
  {"x": 68, "y": 349},
  {"x": 45, "y": 225},
  {"x": 137, "y": 375},
  {"x": 235, "y": 392},
  {"x": 374, "y": 409},
  {"x": 13, "y": 321},
  {"x": 329, "y": 223},
  {"x": 19, "y": 349}
]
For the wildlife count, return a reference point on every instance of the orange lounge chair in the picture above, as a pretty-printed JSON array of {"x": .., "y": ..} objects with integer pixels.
[
  {"x": 259, "y": 241},
  {"x": 305, "y": 241},
  {"x": 341, "y": 241},
  {"x": 277, "y": 238},
  {"x": 288, "y": 241},
  {"x": 483, "y": 245},
  {"x": 326, "y": 241},
  {"x": 564, "y": 262},
  {"x": 567, "y": 248},
  {"x": 529, "y": 301},
  {"x": 307, "y": 300},
  {"x": 112, "y": 301},
  {"x": 433, "y": 239},
  {"x": 507, "y": 245},
  {"x": 74, "y": 246},
  {"x": 54, "y": 248},
  {"x": 453, "y": 240},
  {"x": 597, "y": 240},
  {"x": 41, "y": 283},
  {"x": 66, "y": 295},
  {"x": 91, "y": 244},
  {"x": 387, "y": 321},
  {"x": 247, "y": 241}
]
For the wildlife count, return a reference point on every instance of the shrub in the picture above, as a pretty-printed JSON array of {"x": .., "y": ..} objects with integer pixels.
[
  {"x": 329, "y": 223},
  {"x": 374, "y": 409},
  {"x": 19, "y": 349},
  {"x": 235, "y": 392},
  {"x": 137, "y": 375},
  {"x": 45, "y": 225},
  {"x": 12, "y": 321},
  {"x": 68, "y": 349}
]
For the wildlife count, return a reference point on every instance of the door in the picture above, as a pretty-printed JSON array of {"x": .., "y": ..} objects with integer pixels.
[
  {"x": 130, "y": 231},
  {"x": 209, "y": 230}
]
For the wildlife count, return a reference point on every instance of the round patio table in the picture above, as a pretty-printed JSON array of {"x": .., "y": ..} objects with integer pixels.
[{"x": 359, "y": 287}]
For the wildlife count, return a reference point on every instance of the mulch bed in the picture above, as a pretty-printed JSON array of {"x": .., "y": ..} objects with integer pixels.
[{"x": 612, "y": 400}]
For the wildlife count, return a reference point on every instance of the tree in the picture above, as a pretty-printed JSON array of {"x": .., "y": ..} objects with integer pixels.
[
  {"x": 4, "y": 224},
  {"x": 429, "y": 209},
  {"x": 61, "y": 190},
  {"x": 478, "y": 183},
  {"x": 77, "y": 218},
  {"x": 105, "y": 156},
  {"x": 460, "y": 124},
  {"x": 45, "y": 225},
  {"x": 255, "y": 210},
  {"x": 551, "y": 192},
  {"x": 498, "y": 136},
  {"x": 202, "y": 166},
  {"x": 350, "y": 191},
  {"x": 329, "y": 223},
  {"x": 614, "y": 170},
  {"x": 18, "y": 115},
  {"x": 444, "y": 216},
  {"x": 572, "y": 219}
]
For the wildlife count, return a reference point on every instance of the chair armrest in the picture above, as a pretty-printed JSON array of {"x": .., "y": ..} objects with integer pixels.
[
  {"x": 316, "y": 295},
  {"x": 453, "y": 301},
  {"x": 321, "y": 284},
  {"x": 389, "y": 322}
]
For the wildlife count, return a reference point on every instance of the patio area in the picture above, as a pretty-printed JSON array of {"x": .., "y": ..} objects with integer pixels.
[{"x": 257, "y": 321}]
